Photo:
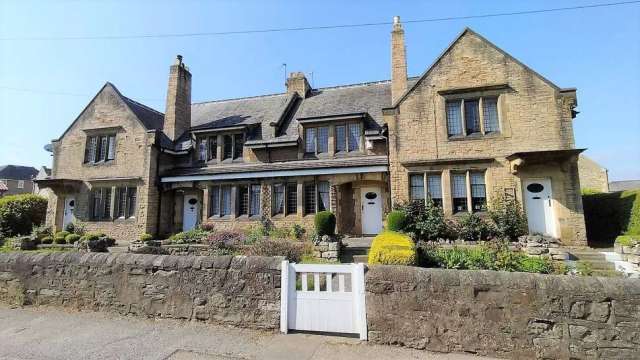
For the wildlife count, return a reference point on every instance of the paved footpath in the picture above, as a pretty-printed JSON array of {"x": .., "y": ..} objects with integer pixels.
[{"x": 48, "y": 333}]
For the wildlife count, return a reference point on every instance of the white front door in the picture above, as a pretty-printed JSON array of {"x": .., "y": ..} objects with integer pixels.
[
  {"x": 539, "y": 206},
  {"x": 371, "y": 198},
  {"x": 69, "y": 205},
  {"x": 190, "y": 212}
]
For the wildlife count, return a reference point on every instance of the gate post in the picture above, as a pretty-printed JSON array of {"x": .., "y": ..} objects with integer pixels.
[
  {"x": 359, "y": 294},
  {"x": 284, "y": 296}
]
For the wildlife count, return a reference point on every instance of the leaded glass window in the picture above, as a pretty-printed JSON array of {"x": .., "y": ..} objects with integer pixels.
[
  {"x": 278, "y": 199},
  {"x": 416, "y": 185},
  {"x": 454, "y": 118},
  {"x": 254, "y": 200},
  {"x": 310, "y": 198},
  {"x": 323, "y": 139},
  {"x": 434, "y": 188},
  {"x": 478, "y": 192},
  {"x": 459, "y": 192},
  {"x": 471, "y": 116},
  {"x": 225, "y": 203},
  {"x": 490, "y": 114},
  {"x": 310, "y": 140},
  {"x": 323, "y": 196},
  {"x": 292, "y": 198},
  {"x": 341, "y": 138},
  {"x": 354, "y": 136}
]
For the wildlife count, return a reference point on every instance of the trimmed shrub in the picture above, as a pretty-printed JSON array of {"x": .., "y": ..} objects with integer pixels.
[
  {"x": 72, "y": 238},
  {"x": 291, "y": 250},
  {"x": 508, "y": 217},
  {"x": 62, "y": 234},
  {"x": 109, "y": 241},
  {"x": 325, "y": 223},
  {"x": 609, "y": 215},
  {"x": 392, "y": 248},
  {"x": 197, "y": 235},
  {"x": 396, "y": 220},
  {"x": 628, "y": 240},
  {"x": 70, "y": 228},
  {"x": 226, "y": 240},
  {"x": 470, "y": 227},
  {"x": 97, "y": 245},
  {"x": 46, "y": 240},
  {"x": 146, "y": 237},
  {"x": 19, "y": 213},
  {"x": 90, "y": 236},
  {"x": 59, "y": 239},
  {"x": 425, "y": 221}
]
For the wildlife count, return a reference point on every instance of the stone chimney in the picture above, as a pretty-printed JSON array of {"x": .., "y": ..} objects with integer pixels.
[
  {"x": 298, "y": 83},
  {"x": 398, "y": 61},
  {"x": 177, "y": 116}
]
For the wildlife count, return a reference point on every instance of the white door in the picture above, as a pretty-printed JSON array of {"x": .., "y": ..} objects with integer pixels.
[
  {"x": 539, "y": 207},
  {"x": 371, "y": 199},
  {"x": 190, "y": 212},
  {"x": 69, "y": 205}
]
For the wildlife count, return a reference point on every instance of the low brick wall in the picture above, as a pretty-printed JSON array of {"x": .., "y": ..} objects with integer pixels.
[
  {"x": 239, "y": 291},
  {"x": 511, "y": 315}
]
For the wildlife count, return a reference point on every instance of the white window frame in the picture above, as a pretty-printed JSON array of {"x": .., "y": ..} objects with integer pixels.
[{"x": 20, "y": 184}]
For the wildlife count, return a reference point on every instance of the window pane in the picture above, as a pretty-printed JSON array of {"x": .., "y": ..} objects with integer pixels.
[
  {"x": 323, "y": 196},
  {"x": 106, "y": 203},
  {"x": 471, "y": 116},
  {"x": 309, "y": 140},
  {"x": 90, "y": 150},
  {"x": 202, "y": 150},
  {"x": 459, "y": 192},
  {"x": 278, "y": 199},
  {"x": 103, "y": 148},
  {"x": 95, "y": 213},
  {"x": 292, "y": 198},
  {"x": 323, "y": 139},
  {"x": 238, "y": 146},
  {"x": 416, "y": 187},
  {"x": 354, "y": 137},
  {"x": 435, "y": 186},
  {"x": 228, "y": 147},
  {"x": 214, "y": 201},
  {"x": 309, "y": 198},
  {"x": 226, "y": 201},
  {"x": 255, "y": 200},
  {"x": 341, "y": 138},
  {"x": 121, "y": 201},
  {"x": 243, "y": 200},
  {"x": 112, "y": 148},
  {"x": 454, "y": 119},
  {"x": 131, "y": 202},
  {"x": 478, "y": 191},
  {"x": 213, "y": 148},
  {"x": 490, "y": 114}
]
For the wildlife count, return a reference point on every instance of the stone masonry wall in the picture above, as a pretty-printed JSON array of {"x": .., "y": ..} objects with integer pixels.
[
  {"x": 239, "y": 291},
  {"x": 511, "y": 315}
]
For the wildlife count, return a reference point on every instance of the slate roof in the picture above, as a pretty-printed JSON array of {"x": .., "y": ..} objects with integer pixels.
[
  {"x": 150, "y": 118},
  {"x": 16, "y": 172},
  {"x": 624, "y": 185}
]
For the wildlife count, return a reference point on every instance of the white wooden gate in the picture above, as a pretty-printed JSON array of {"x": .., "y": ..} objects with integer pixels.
[{"x": 325, "y": 298}]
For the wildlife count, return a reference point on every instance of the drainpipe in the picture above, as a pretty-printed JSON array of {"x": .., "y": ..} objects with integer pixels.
[{"x": 385, "y": 129}]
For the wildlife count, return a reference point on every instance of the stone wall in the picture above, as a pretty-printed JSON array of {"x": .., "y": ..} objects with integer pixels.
[
  {"x": 592, "y": 175},
  {"x": 511, "y": 315},
  {"x": 239, "y": 291}
]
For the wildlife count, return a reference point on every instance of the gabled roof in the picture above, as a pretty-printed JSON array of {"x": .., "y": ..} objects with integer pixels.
[
  {"x": 149, "y": 118},
  {"x": 17, "y": 172},
  {"x": 468, "y": 31}
]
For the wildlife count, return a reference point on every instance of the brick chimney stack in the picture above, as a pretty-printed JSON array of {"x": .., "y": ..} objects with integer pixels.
[
  {"x": 177, "y": 116},
  {"x": 298, "y": 83},
  {"x": 398, "y": 61}
]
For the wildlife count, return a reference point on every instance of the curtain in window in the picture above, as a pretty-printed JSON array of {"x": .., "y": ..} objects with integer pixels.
[
  {"x": 417, "y": 186},
  {"x": 471, "y": 116},
  {"x": 354, "y": 137},
  {"x": 292, "y": 198},
  {"x": 477, "y": 185},
  {"x": 309, "y": 140},
  {"x": 225, "y": 208},
  {"x": 323, "y": 139},
  {"x": 202, "y": 150},
  {"x": 434, "y": 186},
  {"x": 490, "y": 114},
  {"x": 121, "y": 202},
  {"x": 323, "y": 196},
  {"x": 111, "y": 153},
  {"x": 309, "y": 198},
  {"x": 214, "y": 201},
  {"x": 459, "y": 186},
  {"x": 454, "y": 118},
  {"x": 341, "y": 138},
  {"x": 278, "y": 199},
  {"x": 255, "y": 200},
  {"x": 238, "y": 145}
]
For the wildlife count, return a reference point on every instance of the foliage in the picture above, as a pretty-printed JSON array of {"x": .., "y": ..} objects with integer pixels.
[
  {"x": 72, "y": 238},
  {"x": 508, "y": 217},
  {"x": 197, "y": 235},
  {"x": 424, "y": 221},
  {"x": 279, "y": 233},
  {"x": 70, "y": 228},
  {"x": 46, "y": 240},
  {"x": 297, "y": 231},
  {"x": 254, "y": 234},
  {"x": 291, "y": 250},
  {"x": 540, "y": 265},
  {"x": 311, "y": 259},
  {"x": 97, "y": 245},
  {"x": 207, "y": 227},
  {"x": 62, "y": 234},
  {"x": 41, "y": 231},
  {"x": 19, "y": 213},
  {"x": 325, "y": 223},
  {"x": 471, "y": 227},
  {"x": 226, "y": 240},
  {"x": 628, "y": 240},
  {"x": 267, "y": 225},
  {"x": 152, "y": 250},
  {"x": 583, "y": 268},
  {"x": 609, "y": 215},
  {"x": 589, "y": 191},
  {"x": 60, "y": 239},
  {"x": 146, "y": 237},
  {"x": 392, "y": 248},
  {"x": 396, "y": 220}
]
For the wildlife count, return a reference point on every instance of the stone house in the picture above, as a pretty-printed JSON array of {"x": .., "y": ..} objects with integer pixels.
[
  {"x": 477, "y": 124},
  {"x": 593, "y": 176},
  {"x": 15, "y": 179}
]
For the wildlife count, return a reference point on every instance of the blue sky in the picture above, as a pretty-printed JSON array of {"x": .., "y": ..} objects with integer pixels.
[{"x": 595, "y": 50}]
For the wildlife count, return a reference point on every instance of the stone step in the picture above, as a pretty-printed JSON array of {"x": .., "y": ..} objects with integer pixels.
[{"x": 360, "y": 259}]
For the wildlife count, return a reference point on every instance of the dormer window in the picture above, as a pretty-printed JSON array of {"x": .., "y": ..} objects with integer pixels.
[
  {"x": 316, "y": 140},
  {"x": 100, "y": 148},
  {"x": 472, "y": 116},
  {"x": 348, "y": 137},
  {"x": 232, "y": 146}
]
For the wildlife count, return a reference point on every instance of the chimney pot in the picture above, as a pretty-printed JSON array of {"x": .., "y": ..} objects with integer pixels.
[{"x": 396, "y": 19}]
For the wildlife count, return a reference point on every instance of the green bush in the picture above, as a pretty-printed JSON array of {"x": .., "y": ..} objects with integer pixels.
[
  {"x": 425, "y": 221},
  {"x": 59, "y": 239},
  {"x": 39, "y": 232},
  {"x": 297, "y": 231},
  {"x": 190, "y": 237},
  {"x": 609, "y": 215},
  {"x": 63, "y": 234},
  {"x": 471, "y": 227},
  {"x": 396, "y": 220},
  {"x": 540, "y": 265},
  {"x": 584, "y": 268},
  {"x": 628, "y": 240},
  {"x": 146, "y": 237},
  {"x": 254, "y": 234},
  {"x": 46, "y": 240},
  {"x": 325, "y": 223},
  {"x": 90, "y": 236},
  {"x": 70, "y": 228},
  {"x": 392, "y": 248},
  {"x": 72, "y": 238},
  {"x": 291, "y": 250},
  {"x": 19, "y": 213},
  {"x": 508, "y": 217}
]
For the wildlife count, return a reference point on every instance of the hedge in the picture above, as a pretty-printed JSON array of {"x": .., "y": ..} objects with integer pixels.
[
  {"x": 325, "y": 223},
  {"x": 396, "y": 220},
  {"x": 609, "y": 215},
  {"x": 19, "y": 213},
  {"x": 392, "y": 248}
]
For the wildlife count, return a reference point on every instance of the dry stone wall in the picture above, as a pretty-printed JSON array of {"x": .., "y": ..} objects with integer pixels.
[
  {"x": 239, "y": 291},
  {"x": 511, "y": 315}
]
